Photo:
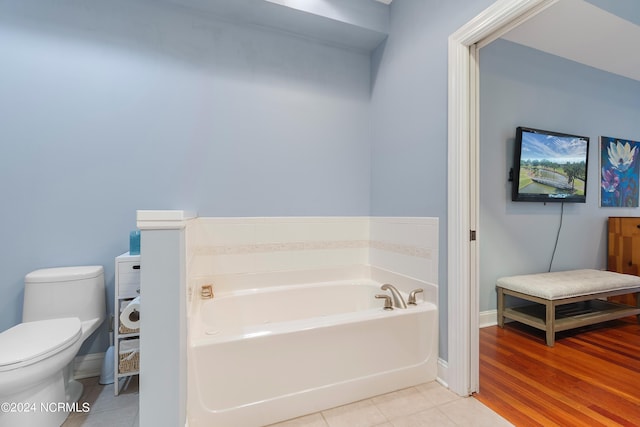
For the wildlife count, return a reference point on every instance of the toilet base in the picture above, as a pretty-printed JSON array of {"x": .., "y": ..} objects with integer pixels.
[
  {"x": 39, "y": 406},
  {"x": 74, "y": 391}
]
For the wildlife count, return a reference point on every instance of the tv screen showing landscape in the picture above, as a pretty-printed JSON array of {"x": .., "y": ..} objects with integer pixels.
[{"x": 550, "y": 166}]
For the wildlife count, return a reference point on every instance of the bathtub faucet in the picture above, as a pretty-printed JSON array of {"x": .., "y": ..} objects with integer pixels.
[
  {"x": 412, "y": 296},
  {"x": 398, "y": 301}
]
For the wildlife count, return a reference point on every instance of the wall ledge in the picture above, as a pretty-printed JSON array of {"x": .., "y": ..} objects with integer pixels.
[{"x": 163, "y": 219}]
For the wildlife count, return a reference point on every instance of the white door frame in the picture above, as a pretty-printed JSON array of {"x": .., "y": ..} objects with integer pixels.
[{"x": 463, "y": 352}]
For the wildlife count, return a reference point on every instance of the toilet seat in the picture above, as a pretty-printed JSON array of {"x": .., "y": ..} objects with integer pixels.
[{"x": 30, "y": 342}]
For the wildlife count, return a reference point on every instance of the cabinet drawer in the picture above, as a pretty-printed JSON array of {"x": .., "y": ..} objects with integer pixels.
[
  {"x": 127, "y": 267},
  {"x": 129, "y": 289},
  {"x": 128, "y": 278}
]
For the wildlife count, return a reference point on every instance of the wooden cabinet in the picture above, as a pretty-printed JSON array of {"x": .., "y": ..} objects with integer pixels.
[{"x": 624, "y": 251}]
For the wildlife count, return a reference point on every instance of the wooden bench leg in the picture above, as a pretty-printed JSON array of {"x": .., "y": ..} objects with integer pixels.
[
  {"x": 550, "y": 323},
  {"x": 501, "y": 307}
]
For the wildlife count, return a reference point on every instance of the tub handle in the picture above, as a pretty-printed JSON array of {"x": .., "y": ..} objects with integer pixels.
[
  {"x": 387, "y": 301},
  {"x": 412, "y": 296}
]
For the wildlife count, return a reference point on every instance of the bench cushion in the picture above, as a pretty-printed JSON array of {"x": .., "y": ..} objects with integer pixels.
[{"x": 567, "y": 284}]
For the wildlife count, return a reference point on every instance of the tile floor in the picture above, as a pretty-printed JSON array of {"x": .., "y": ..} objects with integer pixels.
[
  {"x": 427, "y": 404},
  {"x": 106, "y": 410}
]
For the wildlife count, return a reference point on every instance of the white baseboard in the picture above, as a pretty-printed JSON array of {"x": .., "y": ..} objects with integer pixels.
[
  {"x": 488, "y": 318},
  {"x": 443, "y": 369},
  {"x": 88, "y": 365}
]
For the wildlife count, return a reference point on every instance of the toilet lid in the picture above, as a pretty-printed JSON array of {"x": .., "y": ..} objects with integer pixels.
[{"x": 32, "y": 341}]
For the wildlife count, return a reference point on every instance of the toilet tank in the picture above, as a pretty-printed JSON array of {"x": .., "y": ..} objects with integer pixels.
[{"x": 51, "y": 293}]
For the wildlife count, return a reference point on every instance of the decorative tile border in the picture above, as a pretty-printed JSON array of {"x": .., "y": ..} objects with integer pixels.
[
  {"x": 409, "y": 250},
  {"x": 279, "y": 247}
]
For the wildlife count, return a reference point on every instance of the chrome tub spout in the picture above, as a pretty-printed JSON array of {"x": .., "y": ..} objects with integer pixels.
[{"x": 398, "y": 301}]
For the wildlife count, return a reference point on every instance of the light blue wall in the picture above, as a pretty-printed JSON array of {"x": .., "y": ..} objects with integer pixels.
[
  {"x": 627, "y": 9},
  {"x": 110, "y": 107},
  {"x": 409, "y": 118},
  {"x": 520, "y": 86}
]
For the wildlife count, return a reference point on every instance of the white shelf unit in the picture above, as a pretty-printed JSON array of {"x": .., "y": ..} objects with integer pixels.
[{"x": 127, "y": 287}]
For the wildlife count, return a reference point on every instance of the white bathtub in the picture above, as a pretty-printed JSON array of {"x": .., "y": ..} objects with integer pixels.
[{"x": 258, "y": 357}]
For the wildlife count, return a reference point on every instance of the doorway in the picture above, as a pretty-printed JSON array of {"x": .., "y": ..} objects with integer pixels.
[{"x": 463, "y": 309}]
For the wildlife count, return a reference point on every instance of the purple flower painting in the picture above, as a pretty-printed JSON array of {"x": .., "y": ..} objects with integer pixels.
[{"x": 620, "y": 169}]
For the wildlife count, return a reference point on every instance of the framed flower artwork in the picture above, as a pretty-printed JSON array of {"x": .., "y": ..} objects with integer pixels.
[{"x": 619, "y": 171}]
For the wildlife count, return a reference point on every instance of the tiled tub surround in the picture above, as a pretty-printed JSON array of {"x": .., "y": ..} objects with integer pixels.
[
  {"x": 304, "y": 361},
  {"x": 244, "y": 253}
]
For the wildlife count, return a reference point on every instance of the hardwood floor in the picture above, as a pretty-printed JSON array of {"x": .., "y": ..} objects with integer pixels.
[{"x": 591, "y": 377}]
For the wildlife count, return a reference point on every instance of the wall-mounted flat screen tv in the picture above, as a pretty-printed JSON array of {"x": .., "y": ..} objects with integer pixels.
[{"x": 549, "y": 166}]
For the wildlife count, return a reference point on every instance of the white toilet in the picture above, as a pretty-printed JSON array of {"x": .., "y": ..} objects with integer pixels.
[{"x": 62, "y": 307}]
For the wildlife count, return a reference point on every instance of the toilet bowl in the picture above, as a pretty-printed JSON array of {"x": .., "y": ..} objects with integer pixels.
[
  {"x": 32, "y": 360},
  {"x": 62, "y": 307}
]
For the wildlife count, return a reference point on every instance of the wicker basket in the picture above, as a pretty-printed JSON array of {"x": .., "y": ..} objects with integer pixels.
[
  {"x": 129, "y": 356},
  {"x": 124, "y": 330}
]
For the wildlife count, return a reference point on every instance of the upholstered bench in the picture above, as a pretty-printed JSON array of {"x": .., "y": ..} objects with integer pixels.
[{"x": 566, "y": 299}]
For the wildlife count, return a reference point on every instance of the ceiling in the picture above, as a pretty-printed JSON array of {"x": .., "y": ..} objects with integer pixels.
[{"x": 582, "y": 32}]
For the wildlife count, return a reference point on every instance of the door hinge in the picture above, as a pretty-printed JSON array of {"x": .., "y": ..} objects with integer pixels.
[{"x": 472, "y": 235}]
